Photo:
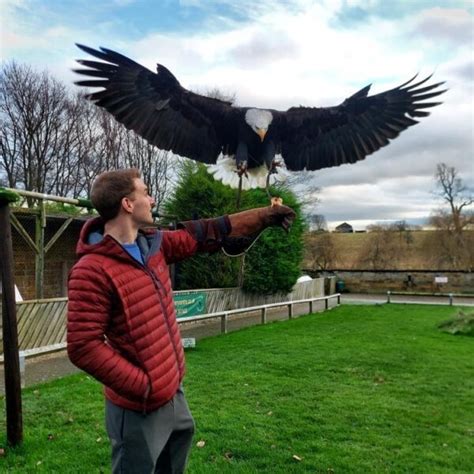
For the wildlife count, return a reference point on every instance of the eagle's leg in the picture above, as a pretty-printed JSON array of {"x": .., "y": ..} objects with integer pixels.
[
  {"x": 269, "y": 152},
  {"x": 242, "y": 166},
  {"x": 272, "y": 169}
]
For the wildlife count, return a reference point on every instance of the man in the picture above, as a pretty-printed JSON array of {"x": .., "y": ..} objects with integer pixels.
[{"x": 122, "y": 326}]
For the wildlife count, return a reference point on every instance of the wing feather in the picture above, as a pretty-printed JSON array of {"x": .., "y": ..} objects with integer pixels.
[
  {"x": 315, "y": 138},
  {"x": 158, "y": 108}
]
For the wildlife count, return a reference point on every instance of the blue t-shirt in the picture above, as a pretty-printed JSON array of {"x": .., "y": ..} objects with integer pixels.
[{"x": 134, "y": 251}]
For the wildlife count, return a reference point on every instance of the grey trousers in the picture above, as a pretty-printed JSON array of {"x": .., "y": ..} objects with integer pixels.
[{"x": 158, "y": 442}]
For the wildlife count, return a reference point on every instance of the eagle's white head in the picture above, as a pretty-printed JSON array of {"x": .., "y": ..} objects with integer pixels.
[{"x": 259, "y": 120}]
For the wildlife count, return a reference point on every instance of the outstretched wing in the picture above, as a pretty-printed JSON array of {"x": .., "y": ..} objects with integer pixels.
[
  {"x": 158, "y": 108},
  {"x": 315, "y": 138}
]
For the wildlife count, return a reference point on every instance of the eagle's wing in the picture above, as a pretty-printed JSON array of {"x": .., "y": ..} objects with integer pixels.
[
  {"x": 315, "y": 138},
  {"x": 158, "y": 108}
]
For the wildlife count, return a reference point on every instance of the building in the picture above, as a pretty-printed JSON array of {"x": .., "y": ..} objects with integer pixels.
[{"x": 344, "y": 228}]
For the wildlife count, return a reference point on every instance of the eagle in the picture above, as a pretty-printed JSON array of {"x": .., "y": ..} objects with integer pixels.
[{"x": 243, "y": 145}]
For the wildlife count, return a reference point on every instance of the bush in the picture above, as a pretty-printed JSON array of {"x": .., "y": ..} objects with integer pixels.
[
  {"x": 272, "y": 265},
  {"x": 461, "y": 324}
]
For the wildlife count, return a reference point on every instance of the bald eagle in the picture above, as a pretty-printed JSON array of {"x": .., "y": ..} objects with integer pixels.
[{"x": 215, "y": 132}]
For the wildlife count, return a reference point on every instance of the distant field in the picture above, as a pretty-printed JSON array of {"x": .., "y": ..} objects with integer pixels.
[
  {"x": 358, "y": 389},
  {"x": 419, "y": 252}
]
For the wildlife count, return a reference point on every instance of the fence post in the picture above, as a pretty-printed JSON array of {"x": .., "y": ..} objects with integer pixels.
[
  {"x": 311, "y": 307},
  {"x": 10, "y": 329},
  {"x": 40, "y": 226},
  {"x": 290, "y": 311},
  {"x": 450, "y": 299},
  {"x": 326, "y": 304},
  {"x": 22, "y": 368},
  {"x": 224, "y": 323},
  {"x": 388, "y": 296},
  {"x": 264, "y": 315},
  {"x": 339, "y": 299}
]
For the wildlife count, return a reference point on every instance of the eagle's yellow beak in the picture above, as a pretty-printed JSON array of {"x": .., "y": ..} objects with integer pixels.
[{"x": 261, "y": 132}]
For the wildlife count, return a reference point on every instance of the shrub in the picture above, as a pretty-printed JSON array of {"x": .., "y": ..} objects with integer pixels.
[
  {"x": 461, "y": 324},
  {"x": 272, "y": 264}
]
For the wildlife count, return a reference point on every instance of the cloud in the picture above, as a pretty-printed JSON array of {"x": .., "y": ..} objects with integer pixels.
[
  {"x": 276, "y": 55},
  {"x": 454, "y": 25},
  {"x": 262, "y": 49}
]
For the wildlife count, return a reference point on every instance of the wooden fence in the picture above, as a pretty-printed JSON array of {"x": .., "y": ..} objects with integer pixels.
[
  {"x": 223, "y": 299},
  {"x": 42, "y": 323}
]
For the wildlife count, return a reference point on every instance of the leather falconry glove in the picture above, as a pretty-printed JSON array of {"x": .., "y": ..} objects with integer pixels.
[{"x": 247, "y": 225}]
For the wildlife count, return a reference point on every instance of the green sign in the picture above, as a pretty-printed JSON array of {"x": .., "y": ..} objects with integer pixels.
[{"x": 189, "y": 304}]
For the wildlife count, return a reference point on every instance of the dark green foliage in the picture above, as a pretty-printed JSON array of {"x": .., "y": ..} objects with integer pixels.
[
  {"x": 462, "y": 324},
  {"x": 272, "y": 265},
  {"x": 198, "y": 195},
  {"x": 69, "y": 209},
  {"x": 8, "y": 196}
]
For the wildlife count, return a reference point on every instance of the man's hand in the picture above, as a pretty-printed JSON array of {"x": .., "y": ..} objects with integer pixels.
[
  {"x": 279, "y": 215},
  {"x": 250, "y": 222}
]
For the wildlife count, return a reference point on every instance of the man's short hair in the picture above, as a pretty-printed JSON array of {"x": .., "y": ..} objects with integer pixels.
[{"x": 109, "y": 188}]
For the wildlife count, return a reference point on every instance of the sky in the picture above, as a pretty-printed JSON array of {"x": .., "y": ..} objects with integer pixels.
[{"x": 278, "y": 54}]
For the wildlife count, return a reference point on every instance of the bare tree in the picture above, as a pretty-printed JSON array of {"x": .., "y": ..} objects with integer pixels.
[
  {"x": 156, "y": 165},
  {"x": 458, "y": 197},
  {"x": 321, "y": 252},
  {"x": 54, "y": 142},
  {"x": 34, "y": 110},
  {"x": 452, "y": 246},
  {"x": 317, "y": 222},
  {"x": 381, "y": 249},
  {"x": 404, "y": 231}
]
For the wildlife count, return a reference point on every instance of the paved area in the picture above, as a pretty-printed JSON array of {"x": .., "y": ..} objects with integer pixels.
[
  {"x": 49, "y": 367},
  {"x": 350, "y": 298}
]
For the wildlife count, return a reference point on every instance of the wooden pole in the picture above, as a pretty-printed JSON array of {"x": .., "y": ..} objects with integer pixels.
[
  {"x": 40, "y": 224},
  {"x": 10, "y": 331}
]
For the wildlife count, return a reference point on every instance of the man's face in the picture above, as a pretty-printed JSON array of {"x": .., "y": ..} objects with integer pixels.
[{"x": 141, "y": 204}]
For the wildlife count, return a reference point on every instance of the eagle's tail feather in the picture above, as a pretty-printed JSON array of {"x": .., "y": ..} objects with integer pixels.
[{"x": 225, "y": 170}]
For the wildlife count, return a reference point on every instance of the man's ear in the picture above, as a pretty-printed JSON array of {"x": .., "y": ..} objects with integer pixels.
[{"x": 127, "y": 205}]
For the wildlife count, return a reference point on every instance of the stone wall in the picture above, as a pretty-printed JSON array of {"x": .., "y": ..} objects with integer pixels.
[{"x": 360, "y": 281}]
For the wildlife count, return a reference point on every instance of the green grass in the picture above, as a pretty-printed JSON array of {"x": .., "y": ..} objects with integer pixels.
[{"x": 354, "y": 390}]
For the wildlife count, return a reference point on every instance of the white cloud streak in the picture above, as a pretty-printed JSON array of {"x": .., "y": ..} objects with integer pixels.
[{"x": 291, "y": 53}]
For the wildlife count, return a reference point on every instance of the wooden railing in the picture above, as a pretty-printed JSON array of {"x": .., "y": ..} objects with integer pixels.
[{"x": 226, "y": 315}]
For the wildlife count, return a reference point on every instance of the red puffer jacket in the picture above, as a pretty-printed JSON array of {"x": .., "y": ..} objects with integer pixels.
[{"x": 122, "y": 325}]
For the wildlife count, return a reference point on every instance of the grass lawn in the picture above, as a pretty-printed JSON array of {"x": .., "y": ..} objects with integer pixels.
[{"x": 354, "y": 390}]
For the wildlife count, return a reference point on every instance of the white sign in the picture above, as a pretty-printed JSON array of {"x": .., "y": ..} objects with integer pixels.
[
  {"x": 441, "y": 279},
  {"x": 188, "y": 342}
]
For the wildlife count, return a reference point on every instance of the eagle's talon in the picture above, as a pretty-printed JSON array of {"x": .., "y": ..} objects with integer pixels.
[
  {"x": 242, "y": 170},
  {"x": 273, "y": 167}
]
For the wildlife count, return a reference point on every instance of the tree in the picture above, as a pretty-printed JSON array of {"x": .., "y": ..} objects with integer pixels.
[
  {"x": 56, "y": 142},
  {"x": 381, "y": 249},
  {"x": 197, "y": 195},
  {"x": 317, "y": 223},
  {"x": 34, "y": 127},
  {"x": 321, "y": 251},
  {"x": 404, "y": 231},
  {"x": 271, "y": 265},
  {"x": 458, "y": 197},
  {"x": 452, "y": 245}
]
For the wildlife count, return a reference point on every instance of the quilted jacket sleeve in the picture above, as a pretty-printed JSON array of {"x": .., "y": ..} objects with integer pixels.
[
  {"x": 203, "y": 235},
  {"x": 88, "y": 315}
]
